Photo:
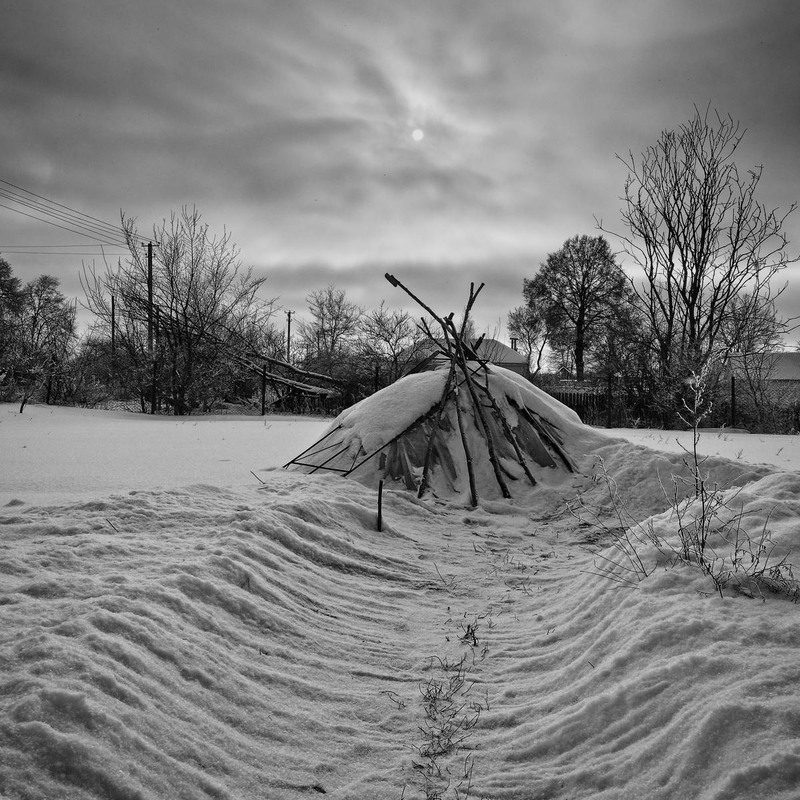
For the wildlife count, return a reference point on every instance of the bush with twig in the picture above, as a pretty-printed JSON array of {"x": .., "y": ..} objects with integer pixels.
[{"x": 711, "y": 527}]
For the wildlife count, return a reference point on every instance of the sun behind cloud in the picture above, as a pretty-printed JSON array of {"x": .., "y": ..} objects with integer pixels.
[{"x": 418, "y": 134}]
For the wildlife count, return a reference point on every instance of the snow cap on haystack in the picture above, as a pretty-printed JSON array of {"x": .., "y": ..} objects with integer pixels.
[{"x": 392, "y": 434}]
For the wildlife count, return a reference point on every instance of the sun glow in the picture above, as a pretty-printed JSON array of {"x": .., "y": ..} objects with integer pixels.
[{"x": 418, "y": 134}]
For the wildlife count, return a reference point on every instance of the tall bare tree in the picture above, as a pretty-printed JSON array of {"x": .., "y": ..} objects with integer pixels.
[
  {"x": 701, "y": 238},
  {"x": 579, "y": 287}
]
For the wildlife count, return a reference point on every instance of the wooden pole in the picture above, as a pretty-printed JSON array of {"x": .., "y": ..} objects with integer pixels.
[
  {"x": 263, "y": 389},
  {"x": 426, "y": 467},
  {"x": 150, "y": 299},
  {"x": 447, "y": 325},
  {"x": 289, "y": 336},
  {"x": 380, "y": 505},
  {"x": 113, "y": 326},
  {"x": 507, "y": 430},
  {"x": 498, "y": 474},
  {"x": 473, "y": 490},
  {"x": 462, "y": 355},
  {"x": 150, "y": 349}
]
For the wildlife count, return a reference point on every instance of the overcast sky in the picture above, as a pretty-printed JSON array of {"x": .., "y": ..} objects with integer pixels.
[{"x": 292, "y": 124}]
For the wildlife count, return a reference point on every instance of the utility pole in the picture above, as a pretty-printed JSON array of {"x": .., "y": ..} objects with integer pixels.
[
  {"x": 150, "y": 298},
  {"x": 113, "y": 327},
  {"x": 289, "y": 336},
  {"x": 263, "y": 388},
  {"x": 150, "y": 352}
]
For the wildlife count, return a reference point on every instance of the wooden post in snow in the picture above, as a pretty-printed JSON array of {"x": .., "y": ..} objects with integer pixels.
[{"x": 473, "y": 489}]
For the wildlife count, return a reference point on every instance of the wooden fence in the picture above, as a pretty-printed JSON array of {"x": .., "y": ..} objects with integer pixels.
[{"x": 592, "y": 406}]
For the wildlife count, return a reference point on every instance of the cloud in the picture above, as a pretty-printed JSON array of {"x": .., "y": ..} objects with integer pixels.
[
  {"x": 444, "y": 286},
  {"x": 290, "y": 122}
]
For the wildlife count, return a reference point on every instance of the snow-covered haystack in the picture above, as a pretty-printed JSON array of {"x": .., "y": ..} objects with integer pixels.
[
  {"x": 427, "y": 432},
  {"x": 466, "y": 426}
]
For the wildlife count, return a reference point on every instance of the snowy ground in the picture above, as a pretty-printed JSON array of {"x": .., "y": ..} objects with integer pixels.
[
  {"x": 57, "y": 455},
  {"x": 175, "y": 628},
  {"x": 781, "y": 452}
]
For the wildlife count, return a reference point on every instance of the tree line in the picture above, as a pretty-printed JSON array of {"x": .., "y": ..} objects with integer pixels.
[
  {"x": 689, "y": 294},
  {"x": 185, "y": 328},
  {"x": 697, "y": 302}
]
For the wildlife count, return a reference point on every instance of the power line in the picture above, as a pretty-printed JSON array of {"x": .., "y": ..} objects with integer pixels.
[
  {"x": 10, "y": 251},
  {"x": 115, "y": 229},
  {"x": 32, "y": 246},
  {"x": 77, "y": 224},
  {"x": 72, "y": 224},
  {"x": 61, "y": 216},
  {"x": 62, "y": 250},
  {"x": 49, "y": 222}
]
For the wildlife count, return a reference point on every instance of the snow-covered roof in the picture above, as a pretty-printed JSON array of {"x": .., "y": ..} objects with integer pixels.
[
  {"x": 499, "y": 353},
  {"x": 491, "y": 350}
]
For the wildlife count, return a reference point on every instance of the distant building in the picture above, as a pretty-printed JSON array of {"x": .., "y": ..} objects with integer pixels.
[
  {"x": 778, "y": 372},
  {"x": 783, "y": 366},
  {"x": 501, "y": 355},
  {"x": 777, "y": 366},
  {"x": 490, "y": 350}
]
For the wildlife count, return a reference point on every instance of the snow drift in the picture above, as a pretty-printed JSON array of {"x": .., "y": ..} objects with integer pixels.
[{"x": 264, "y": 640}]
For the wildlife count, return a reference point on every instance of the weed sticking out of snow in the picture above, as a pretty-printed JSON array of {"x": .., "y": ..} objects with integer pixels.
[{"x": 707, "y": 526}]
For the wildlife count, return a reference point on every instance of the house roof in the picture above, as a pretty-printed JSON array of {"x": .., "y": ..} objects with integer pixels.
[
  {"x": 490, "y": 350},
  {"x": 499, "y": 353}
]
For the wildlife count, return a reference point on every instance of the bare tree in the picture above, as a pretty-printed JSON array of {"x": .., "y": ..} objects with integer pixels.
[
  {"x": 579, "y": 288},
  {"x": 333, "y": 326},
  {"x": 330, "y": 341},
  {"x": 47, "y": 334},
  {"x": 527, "y": 325},
  {"x": 701, "y": 239},
  {"x": 391, "y": 340},
  {"x": 205, "y": 315},
  {"x": 752, "y": 325}
]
